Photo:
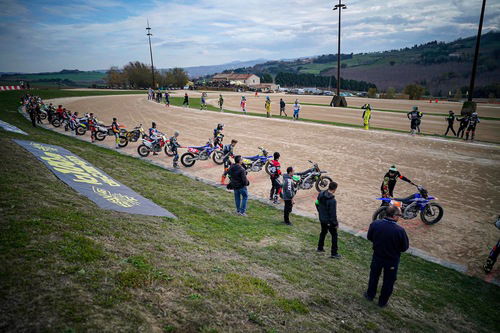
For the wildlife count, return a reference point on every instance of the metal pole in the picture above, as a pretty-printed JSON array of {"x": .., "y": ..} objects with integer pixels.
[
  {"x": 340, "y": 6},
  {"x": 149, "y": 34},
  {"x": 476, "y": 54}
]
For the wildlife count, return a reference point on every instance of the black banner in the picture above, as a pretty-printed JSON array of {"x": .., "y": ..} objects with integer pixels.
[{"x": 86, "y": 179}]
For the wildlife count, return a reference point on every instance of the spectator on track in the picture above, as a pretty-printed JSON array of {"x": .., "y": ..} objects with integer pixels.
[
  {"x": 203, "y": 101},
  {"x": 389, "y": 241},
  {"x": 243, "y": 104},
  {"x": 282, "y": 107},
  {"x": 238, "y": 183},
  {"x": 326, "y": 206},
  {"x": 451, "y": 121},
  {"x": 296, "y": 110},
  {"x": 268, "y": 107},
  {"x": 185, "y": 103},
  {"x": 413, "y": 116},
  {"x": 367, "y": 115},
  {"x": 471, "y": 126},
  {"x": 167, "y": 99},
  {"x": 288, "y": 191},
  {"x": 464, "y": 121}
]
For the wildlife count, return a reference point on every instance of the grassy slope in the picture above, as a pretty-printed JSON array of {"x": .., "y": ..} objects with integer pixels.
[{"x": 67, "y": 265}]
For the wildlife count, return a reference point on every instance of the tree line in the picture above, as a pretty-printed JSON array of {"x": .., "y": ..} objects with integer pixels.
[
  {"x": 285, "y": 79},
  {"x": 138, "y": 75}
]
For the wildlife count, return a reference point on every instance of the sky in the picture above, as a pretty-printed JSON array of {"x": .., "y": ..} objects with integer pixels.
[{"x": 47, "y": 35}]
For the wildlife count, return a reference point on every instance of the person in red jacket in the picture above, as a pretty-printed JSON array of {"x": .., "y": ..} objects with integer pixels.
[{"x": 275, "y": 169}]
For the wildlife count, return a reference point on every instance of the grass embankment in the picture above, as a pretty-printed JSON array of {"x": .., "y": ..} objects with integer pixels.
[{"x": 70, "y": 266}]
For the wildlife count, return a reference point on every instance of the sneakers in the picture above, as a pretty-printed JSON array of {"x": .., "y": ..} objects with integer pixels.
[
  {"x": 368, "y": 298},
  {"x": 243, "y": 214},
  {"x": 336, "y": 256},
  {"x": 288, "y": 223},
  {"x": 320, "y": 250}
]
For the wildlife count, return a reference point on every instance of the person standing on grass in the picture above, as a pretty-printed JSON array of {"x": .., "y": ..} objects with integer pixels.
[
  {"x": 227, "y": 151},
  {"x": 268, "y": 107},
  {"x": 389, "y": 241},
  {"x": 116, "y": 131},
  {"x": 167, "y": 99},
  {"x": 367, "y": 115},
  {"x": 275, "y": 171},
  {"x": 243, "y": 104},
  {"x": 288, "y": 191},
  {"x": 185, "y": 103},
  {"x": 92, "y": 126},
  {"x": 326, "y": 206},
  {"x": 238, "y": 183},
  {"x": 451, "y": 121},
  {"x": 282, "y": 107},
  {"x": 296, "y": 110},
  {"x": 31, "y": 112},
  {"x": 221, "y": 103}
]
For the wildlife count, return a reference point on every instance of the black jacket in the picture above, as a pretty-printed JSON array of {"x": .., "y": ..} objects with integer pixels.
[
  {"x": 327, "y": 208},
  {"x": 238, "y": 177},
  {"x": 388, "y": 238}
]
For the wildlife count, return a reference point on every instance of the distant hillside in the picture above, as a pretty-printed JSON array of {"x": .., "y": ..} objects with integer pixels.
[
  {"x": 66, "y": 78},
  {"x": 438, "y": 66},
  {"x": 198, "y": 71}
]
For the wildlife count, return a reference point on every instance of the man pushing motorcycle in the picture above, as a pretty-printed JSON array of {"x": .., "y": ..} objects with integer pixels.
[
  {"x": 389, "y": 182},
  {"x": 227, "y": 151},
  {"x": 275, "y": 171},
  {"x": 173, "y": 147}
]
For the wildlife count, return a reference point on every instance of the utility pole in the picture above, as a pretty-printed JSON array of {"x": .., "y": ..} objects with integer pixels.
[
  {"x": 336, "y": 101},
  {"x": 469, "y": 106},
  {"x": 476, "y": 54},
  {"x": 149, "y": 34}
]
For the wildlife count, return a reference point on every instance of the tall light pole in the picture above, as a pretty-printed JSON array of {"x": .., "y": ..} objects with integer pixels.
[
  {"x": 476, "y": 54},
  {"x": 339, "y": 7},
  {"x": 149, "y": 34}
]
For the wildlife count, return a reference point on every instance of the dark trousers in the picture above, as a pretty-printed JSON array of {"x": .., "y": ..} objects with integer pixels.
[
  {"x": 33, "y": 119},
  {"x": 450, "y": 127},
  {"x": 469, "y": 129},
  {"x": 288, "y": 210},
  {"x": 461, "y": 131},
  {"x": 325, "y": 228},
  {"x": 390, "y": 269},
  {"x": 275, "y": 189}
]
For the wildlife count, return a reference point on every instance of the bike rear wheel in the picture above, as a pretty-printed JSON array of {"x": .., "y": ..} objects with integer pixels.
[
  {"x": 432, "y": 213},
  {"x": 379, "y": 213},
  {"x": 56, "y": 123},
  {"x": 80, "y": 130},
  {"x": 123, "y": 141},
  {"x": 99, "y": 136}
]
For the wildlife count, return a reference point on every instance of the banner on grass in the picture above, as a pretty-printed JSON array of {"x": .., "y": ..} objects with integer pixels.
[
  {"x": 86, "y": 179},
  {"x": 11, "y": 128}
]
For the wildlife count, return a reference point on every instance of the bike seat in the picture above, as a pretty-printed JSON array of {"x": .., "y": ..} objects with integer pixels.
[
  {"x": 303, "y": 172},
  {"x": 405, "y": 200}
]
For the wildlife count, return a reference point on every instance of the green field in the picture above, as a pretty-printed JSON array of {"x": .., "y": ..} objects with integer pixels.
[{"x": 68, "y": 266}]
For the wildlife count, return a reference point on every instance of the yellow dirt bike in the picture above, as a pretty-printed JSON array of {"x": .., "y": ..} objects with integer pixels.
[{"x": 131, "y": 136}]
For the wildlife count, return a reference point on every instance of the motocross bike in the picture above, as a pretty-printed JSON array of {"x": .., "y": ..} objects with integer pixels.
[
  {"x": 81, "y": 125},
  {"x": 59, "y": 120},
  {"x": 148, "y": 145},
  {"x": 255, "y": 163},
  {"x": 102, "y": 131},
  {"x": 199, "y": 153},
  {"x": 430, "y": 212},
  {"x": 312, "y": 176},
  {"x": 131, "y": 136}
]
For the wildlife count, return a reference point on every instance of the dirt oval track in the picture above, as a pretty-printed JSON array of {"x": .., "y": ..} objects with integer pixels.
[{"x": 464, "y": 176}]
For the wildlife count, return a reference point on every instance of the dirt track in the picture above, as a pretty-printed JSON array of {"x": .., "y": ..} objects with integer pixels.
[{"x": 465, "y": 177}]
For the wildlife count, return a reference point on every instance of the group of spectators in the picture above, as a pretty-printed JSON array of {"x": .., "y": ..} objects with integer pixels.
[{"x": 158, "y": 96}]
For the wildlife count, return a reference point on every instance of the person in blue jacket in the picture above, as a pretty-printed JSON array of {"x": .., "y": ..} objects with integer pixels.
[{"x": 389, "y": 241}]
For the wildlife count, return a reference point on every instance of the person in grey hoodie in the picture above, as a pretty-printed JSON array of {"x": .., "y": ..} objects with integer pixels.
[
  {"x": 288, "y": 192},
  {"x": 327, "y": 209}
]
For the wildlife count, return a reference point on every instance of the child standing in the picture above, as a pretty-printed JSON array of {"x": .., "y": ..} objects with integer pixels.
[
  {"x": 243, "y": 104},
  {"x": 268, "y": 107},
  {"x": 296, "y": 110},
  {"x": 275, "y": 170}
]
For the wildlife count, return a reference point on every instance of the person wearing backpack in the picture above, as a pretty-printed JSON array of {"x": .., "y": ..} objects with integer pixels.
[{"x": 326, "y": 205}]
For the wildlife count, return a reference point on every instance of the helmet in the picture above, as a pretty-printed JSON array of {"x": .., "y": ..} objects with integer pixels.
[
  {"x": 276, "y": 155},
  {"x": 268, "y": 98},
  {"x": 415, "y": 108},
  {"x": 220, "y": 126},
  {"x": 393, "y": 168},
  {"x": 176, "y": 133},
  {"x": 153, "y": 124}
]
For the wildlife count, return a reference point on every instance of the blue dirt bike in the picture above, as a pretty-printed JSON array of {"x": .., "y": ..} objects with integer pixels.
[
  {"x": 255, "y": 163},
  {"x": 200, "y": 153},
  {"x": 430, "y": 212}
]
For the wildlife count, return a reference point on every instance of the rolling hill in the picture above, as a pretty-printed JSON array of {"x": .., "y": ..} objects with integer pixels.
[{"x": 438, "y": 66}]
